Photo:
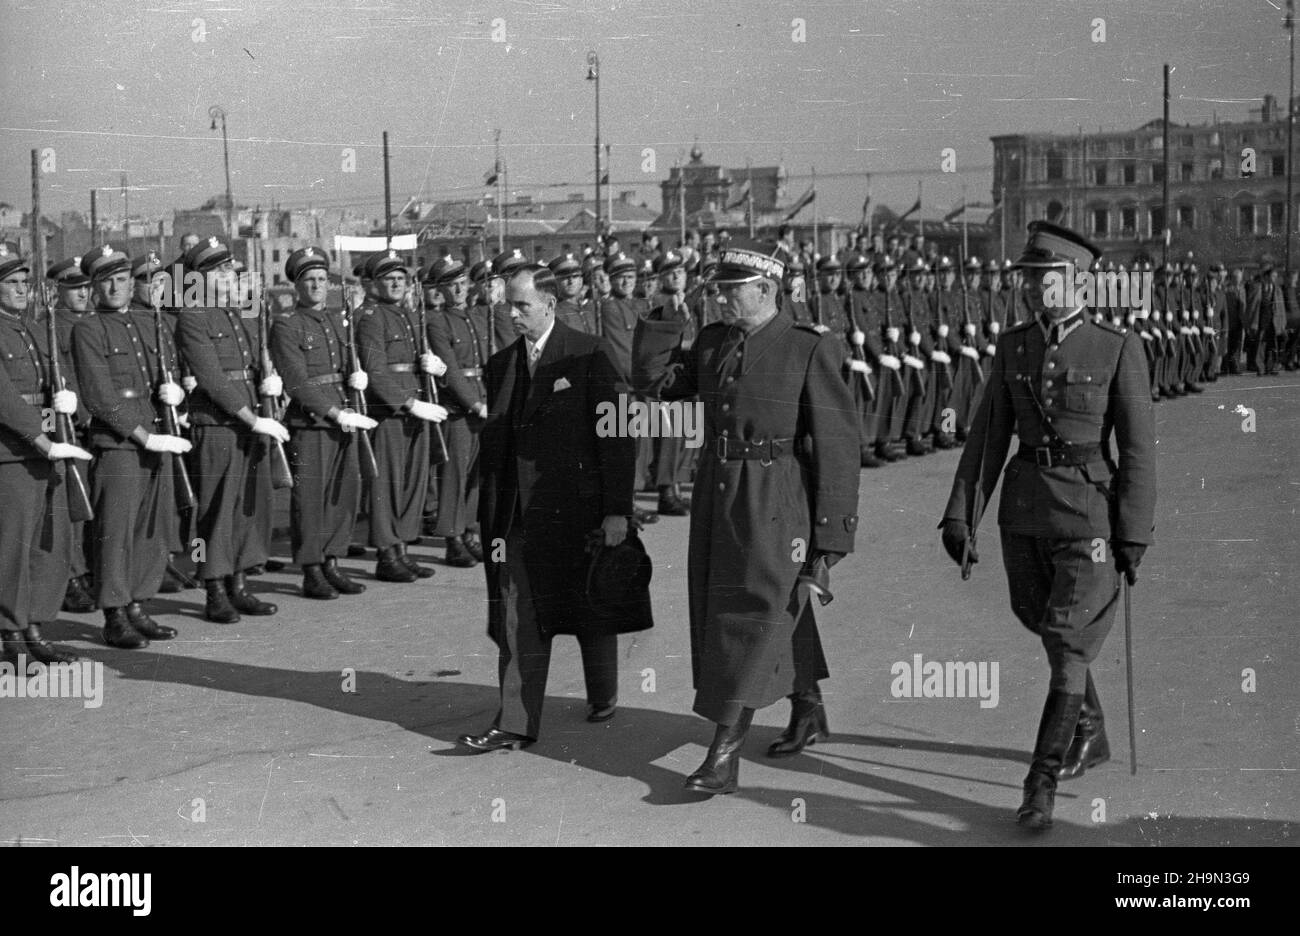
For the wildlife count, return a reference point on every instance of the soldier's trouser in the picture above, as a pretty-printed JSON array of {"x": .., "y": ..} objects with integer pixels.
[
  {"x": 1066, "y": 598},
  {"x": 1236, "y": 340},
  {"x": 891, "y": 403},
  {"x": 965, "y": 390},
  {"x": 864, "y": 406},
  {"x": 232, "y": 483},
  {"x": 135, "y": 524},
  {"x": 920, "y": 401},
  {"x": 326, "y": 493},
  {"x": 942, "y": 414},
  {"x": 668, "y": 450},
  {"x": 458, "y": 488},
  {"x": 35, "y": 542},
  {"x": 397, "y": 494},
  {"x": 78, "y": 565},
  {"x": 525, "y": 655}
]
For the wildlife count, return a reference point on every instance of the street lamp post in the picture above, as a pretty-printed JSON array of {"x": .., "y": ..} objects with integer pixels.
[
  {"x": 593, "y": 75},
  {"x": 217, "y": 112}
]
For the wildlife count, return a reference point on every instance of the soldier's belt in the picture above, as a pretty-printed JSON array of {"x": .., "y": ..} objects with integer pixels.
[
  {"x": 321, "y": 380},
  {"x": 401, "y": 368},
  {"x": 767, "y": 450},
  {"x": 245, "y": 374},
  {"x": 472, "y": 372},
  {"x": 35, "y": 399},
  {"x": 1048, "y": 456},
  {"x": 129, "y": 393}
]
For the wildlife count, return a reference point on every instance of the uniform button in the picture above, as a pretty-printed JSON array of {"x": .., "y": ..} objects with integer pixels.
[
  {"x": 726, "y": 406},
  {"x": 1052, "y": 347},
  {"x": 1046, "y": 439},
  {"x": 722, "y": 486},
  {"x": 1051, "y": 365},
  {"x": 822, "y": 521},
  {"x": 731, "y": 380},
  {"x": 1047, "y": 402},
  {"x": 726, "y": 432}
]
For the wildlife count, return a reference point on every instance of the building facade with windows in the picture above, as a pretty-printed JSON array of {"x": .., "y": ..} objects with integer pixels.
[{"x": 1227, "y": 188}]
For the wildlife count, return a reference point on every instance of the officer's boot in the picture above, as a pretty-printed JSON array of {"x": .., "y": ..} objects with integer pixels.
[
  {"x": 146, "y": 625},
  {"x": 419, "y": 570},
  {"x": 237, "y": 591},
  {"x": 720, "y": 771},
  {"x": 334, "y": 575},
  {"x": 1089, "y": 747},
  {"x": 390, "y": 567},
  {"x": 77, "y": 599},
  {"x": 41, "y": 649},
  {"x": 1060, "y": 715},
  {"x": 458, "y": 555},
  {"x": 807, "y": 725},
  {"x": 118, "y": 631},
  {"x": 315, "y": 585},
  {"x": 217, "y": 608},
  {"x": 12, "y": 647}
]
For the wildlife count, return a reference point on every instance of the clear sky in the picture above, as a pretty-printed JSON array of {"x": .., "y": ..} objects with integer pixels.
[{"x": 879, "y": 87}]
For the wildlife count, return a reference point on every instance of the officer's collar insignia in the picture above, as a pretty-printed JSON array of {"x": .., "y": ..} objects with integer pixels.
[{"x": 392, "y": 255}]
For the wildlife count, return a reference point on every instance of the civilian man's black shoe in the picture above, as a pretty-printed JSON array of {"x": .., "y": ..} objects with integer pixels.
[
  {"x": 473, "y": 545},
  {"x": 458, "y": 555},
  {"x": 41, "y": 649},
  {"x": 390, "y": 567},
  {"x": 315, "y": 584},
  {"x": 147, "y": 625},
  {"x": 494, "y": 739},
  {"x": 119, "y": 633},
  {"x": 599, "y": 712},
  {"x": 670, "y": 505},
  {"x": 334, "y": 575}
]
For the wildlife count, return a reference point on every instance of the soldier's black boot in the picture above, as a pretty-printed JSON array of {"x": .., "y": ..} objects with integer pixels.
[
  {"x": 944, "y": 440},
  {"x": 670, "y": 505},
  {"x": 77, "y": 599},
  {"x": 237, "y": 590},
  {"x": 334, "y": 575},
  {"x": 41, "y": 649},
  {"x": 417, "y": 570},
  {"x": 807, "y": 725},
  {"x": 458, "y": 555},
  {"x": 147, "y": 625},
  {"x": 118, "y": 631},
  {"x": 867, "y": 459},
  {"x": 720, "y": 772},
  {"x": 473, "y": 545},
  {"x": 1055, "y": 731},
  {"x": 12, "y": 647},
  {"x": 1089, "y": 747},
  {"x": 217, "y": 607},
  {"x": 315, "y": 585}
]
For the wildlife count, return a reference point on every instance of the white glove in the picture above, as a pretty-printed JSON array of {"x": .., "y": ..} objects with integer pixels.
[
  {"x": 271, "y": 386},
  {"x": 859, "y": 366},
  {"x": 67, "y": 450},
  {"x": 891, "y": 334},
  {"x": 190, "y": 383},
  {"x": 914, "y": 337},
  {"x": 990, "y": 350},
  {"x": 995, "y": 327},
  {"x": 819, "y": 329},
  {"x": 1195, "y": 330},
  {"x": 429, "y": 412},
  {"x": 156, "y": 442},
  {"x": 480, "y": 409},
  {"x": 430, "y": 363},
  {"x": 1147, "y": 336},
  {"x": 266, "y": 426},
  {"x": 943, "y": 331},
  {"x": 65, "y": 402},
  {"x": 351, "y": 419},
  {"x": 183, "y": 420},
  {"x": 858, "y": 338},
  {"x": 358, "y": 380},
  {"x": 968, "y": 351},
  {"x": 169, "y": 394},
  {"x": 970, "y": 329},
  {"x": 940, "y": 357},
  {"x": 913, "y": 362},
  {"x": 888, "y": 360}
]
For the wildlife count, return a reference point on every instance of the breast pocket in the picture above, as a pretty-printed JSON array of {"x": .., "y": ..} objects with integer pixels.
[
  {"x": 227, "y": 350},
  {"x": 1086, "y": 390},
  {"x": 314, "y": 354},
  {"x": 122, "y": 365}
]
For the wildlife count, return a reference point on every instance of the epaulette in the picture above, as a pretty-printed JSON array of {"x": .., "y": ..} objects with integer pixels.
[
  {"x": 1111, "y": 328},
  {"x": 811, "y": 327}
]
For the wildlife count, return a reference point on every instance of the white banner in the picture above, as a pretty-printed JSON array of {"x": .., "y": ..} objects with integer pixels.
[{"x": 372, "y": 244}]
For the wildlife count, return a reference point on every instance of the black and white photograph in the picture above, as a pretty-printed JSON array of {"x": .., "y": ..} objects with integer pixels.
[{"x": 674, "y": 424}]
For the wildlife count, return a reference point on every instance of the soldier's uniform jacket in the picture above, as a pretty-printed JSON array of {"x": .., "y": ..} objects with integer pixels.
[
  {"x": 222, "y": 350},
  {"x": 618, "y": 324},
  {"x": 993, "y": 308},
  {"x": 460, "y": 338},
  {"x": 1091, "y": 382},
  {"x": 388, "y": 343},
  {"x": 918, "y": 317},
  {"x": 885, "y": 310},
  {"x": 118, "y": 370},
  {"x": 577, "y": 314},
  {"x": 861, "y": 307},
  {"x": 948, "y": 312},
  {"x": 24, "y": 387},
  {"x": 310, "y": 352}
]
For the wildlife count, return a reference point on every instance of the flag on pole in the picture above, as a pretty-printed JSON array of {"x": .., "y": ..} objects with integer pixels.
[
  {"x": 916, "y": 206},
  {"x": 804, "y": 201},
  {"x": 490, "y": 177},
  {"x": 957, "y": 212},
  {"x": 740, "y": 198}
]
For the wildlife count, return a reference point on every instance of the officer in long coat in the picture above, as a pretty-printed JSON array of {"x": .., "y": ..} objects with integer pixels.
[
  {"x": 1062, "y": 385},
  {"x": 768, "y": 387}
]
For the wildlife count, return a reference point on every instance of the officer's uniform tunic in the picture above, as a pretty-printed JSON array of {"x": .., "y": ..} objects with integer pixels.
[{"x": 460, "y": 338}]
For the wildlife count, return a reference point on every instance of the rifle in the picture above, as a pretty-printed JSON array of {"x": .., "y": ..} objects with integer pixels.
[
  {"x": 892, "y": 345},
  {"x": 440, "y": 456},
  {"x": 186, "y": 502},
  {"x": 855, "y": 349},
  {"x": 917, "y": 375},
  {"x": 366, "y": 457},
  {"x": 938, "y": 308},
  {"x": 79, "y": 507},
  {"x": 966, "y": 337},
  {"x": 269, "y": 406}
]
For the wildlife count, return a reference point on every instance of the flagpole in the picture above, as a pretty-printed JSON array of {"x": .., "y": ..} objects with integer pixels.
[
  {"x": 496, "y": 168},
  {"x": 681, "y": 203},
  {"x": 816, "y": 245},
  {"x": 965, "y": 239},
  {"x": 609, "y": 187},
  {"x": 920, "y": 218},
  {"x": 749, "y": 197}
]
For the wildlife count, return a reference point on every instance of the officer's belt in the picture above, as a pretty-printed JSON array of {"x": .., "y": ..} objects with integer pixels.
[
  {"x": 321, "y": 379},
  {"x": 401, "y": 368},
  {"x": 1049, "y": 456},
  {"x": 245, "y": 374},
  {"x": 472, "y": 372},
  {"x": 128, "y": 393},
  {"x": 768, "y": 450},
  {"x": 35, "y": 399}
]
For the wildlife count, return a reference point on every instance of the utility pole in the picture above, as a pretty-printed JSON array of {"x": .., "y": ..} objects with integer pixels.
[
  {"x": 814, "y": 191},
  {"x": 94, "y": 220},
  {"x": 1164, "y": 189},
  {"x": 388, "y": 200},
  {"x": 496, "y": 170},
  {"x": 217, "y": 112},
  {"x": 593, "y": 75},
  {"x": 38, "y": 236}
]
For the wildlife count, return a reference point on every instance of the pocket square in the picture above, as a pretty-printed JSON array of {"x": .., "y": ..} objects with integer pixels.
[{"x": 561, "y": 384}]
